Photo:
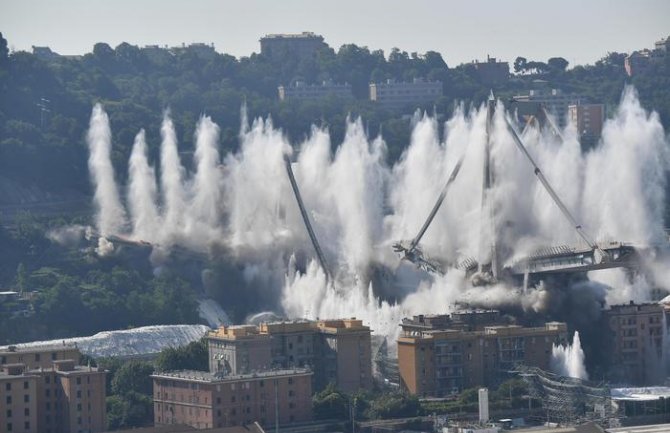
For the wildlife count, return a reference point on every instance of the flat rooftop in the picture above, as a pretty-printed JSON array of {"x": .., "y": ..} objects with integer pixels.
[{"x": 206, "y": 376}]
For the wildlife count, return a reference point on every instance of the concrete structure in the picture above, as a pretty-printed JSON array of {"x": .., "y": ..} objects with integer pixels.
[
  {"x": 637, "y": 62},
  {"x": 45, "y": 53},
  {"x": 663, "y": 46},
  {"x": 466, "y": 320},
  {"x": 394, "y": 95},
  {"x": 205, "y": 400},
  {"x": 61, "y": 398},
  {"x": 589, "y": 120},
  {"x": 338, "y": 351},
  {"x": 238, "y": 349},
  {"x": 18, "y": 399},
  {"x": 302, "y": 45},
  {"x": 39, "y": 357},
  {"x": 492, "y": 72},
  {"x": 310, "y": 92},
  {"x": 483, "y": 401},
  {"x": 554, "y": 100},
  {"x": 440, "y": 362},
  {"x": 637, "y": 347}
]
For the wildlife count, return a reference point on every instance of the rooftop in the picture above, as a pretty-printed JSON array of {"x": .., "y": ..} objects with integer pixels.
[
  {"x": 206, "y": 376},
  {"x": 303, "y": 35}
]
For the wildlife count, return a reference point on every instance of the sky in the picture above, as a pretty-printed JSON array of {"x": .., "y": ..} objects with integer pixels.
[{"x": 581, "y": 31}]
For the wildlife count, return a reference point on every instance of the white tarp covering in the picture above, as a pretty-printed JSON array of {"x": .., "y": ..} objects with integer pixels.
[
  {"x": 640, "y": 394},
  {"x": 143, "y": 341}
]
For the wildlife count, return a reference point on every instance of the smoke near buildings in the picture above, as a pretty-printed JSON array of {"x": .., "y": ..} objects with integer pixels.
[{"x": 359, "y": 205}]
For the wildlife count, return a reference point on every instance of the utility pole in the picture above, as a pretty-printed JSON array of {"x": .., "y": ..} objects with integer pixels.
[{"x": 276, "y": 406}]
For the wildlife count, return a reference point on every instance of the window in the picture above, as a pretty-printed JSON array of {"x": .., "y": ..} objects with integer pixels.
[
  {"x": 9, "y": 426},
  {"x": 26, "y": 412},
  {"x": 47, "y": 379},
  {"x": 47, "y": 392},
  {"x": 53, "y": 356},
  {"x": 37, "y": 357},
  {"x": 79, "y": 394},
  {"x": 9, "y": 399},
  {"x": 48, "y": 406},
  {"x": 78, "y": 407},
  {"x": 79, "y": 420},
  {"x": 26, "y": 385},
  {"x": 79, "y": 381},
  {"x": 26, "y": 425},
  {"x": 9, "y": 413},
  {"x": 8, "y": 386},
  {"x": 26, "y": 398},
  {"x": 290, "y": 380},
  {"x": 232, "y": 399}
]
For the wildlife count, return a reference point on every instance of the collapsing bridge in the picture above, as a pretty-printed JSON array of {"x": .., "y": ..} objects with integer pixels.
[{"x": 552, "y": 260}]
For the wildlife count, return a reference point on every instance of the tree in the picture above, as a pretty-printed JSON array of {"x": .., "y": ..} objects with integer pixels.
[
  {"x": 520, "y": 64},
  {"x": 329, "y": 404},
  {"x": 4, "y": 51},
  {"x": 133, "y": 376},
  {"x": 557, "y": 64},
  {"x": 193, "y": 356},
  {"x": 394, "y": 405}
]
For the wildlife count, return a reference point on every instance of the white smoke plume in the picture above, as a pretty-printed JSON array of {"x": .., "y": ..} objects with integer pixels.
[
  {"x": 569, "y": 360},
  {"x": 110, "y": 214},
  {"x": 142, "y": 193},
  {"x": 359, "y": 206},
  {"x": 172, "y": 188}
]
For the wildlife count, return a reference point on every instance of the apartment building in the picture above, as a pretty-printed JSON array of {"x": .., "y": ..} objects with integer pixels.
[
  {"x": 555, "y": 101},
  {"x": 18, "y": 399},
  {"x": 301, "y": 45},
  {"x": 393, "y": 95},
  {"x": 491, "y": 72},
  {"x": 637, "y": 346},
  {"x": 60, "y": 398},
  {"x": 338, "y": 351},
  {"x": 301, "y": 91},
  {"x": 589, "y": 120},
  {"x": 439, "y": 362},
  {"x": 207, "y": 400},
  {"x": 38, "y": 357}
]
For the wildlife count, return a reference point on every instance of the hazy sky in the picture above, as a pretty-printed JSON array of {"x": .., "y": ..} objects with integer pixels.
[{"x": 582, "y": 31}]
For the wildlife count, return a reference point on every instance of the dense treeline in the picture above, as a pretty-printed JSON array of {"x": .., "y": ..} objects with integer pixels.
[
  {"x": 78, "y": 293},
  {"x": 137, "y": 85}
]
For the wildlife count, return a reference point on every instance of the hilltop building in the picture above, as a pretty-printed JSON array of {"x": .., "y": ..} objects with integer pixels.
[
  {"x": 301, "y": 45},
  {"x": 491, "y": 72},
  {"x": 637, "y": 62},
  {"x": 310, "y": 92},
  {"x": 450, "y": 354},
  {"x": 338, "y": 351},
  {"x": 662, "y": 46},
  {"x": 48, "y": 392},
  {"x": 200, "y": 49},
  {"x": 393, "y": 95},
  {"x": 637, "y": 349},
  {"x": 207, "y": 400},
  {"x": 45, "y": 53}
]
